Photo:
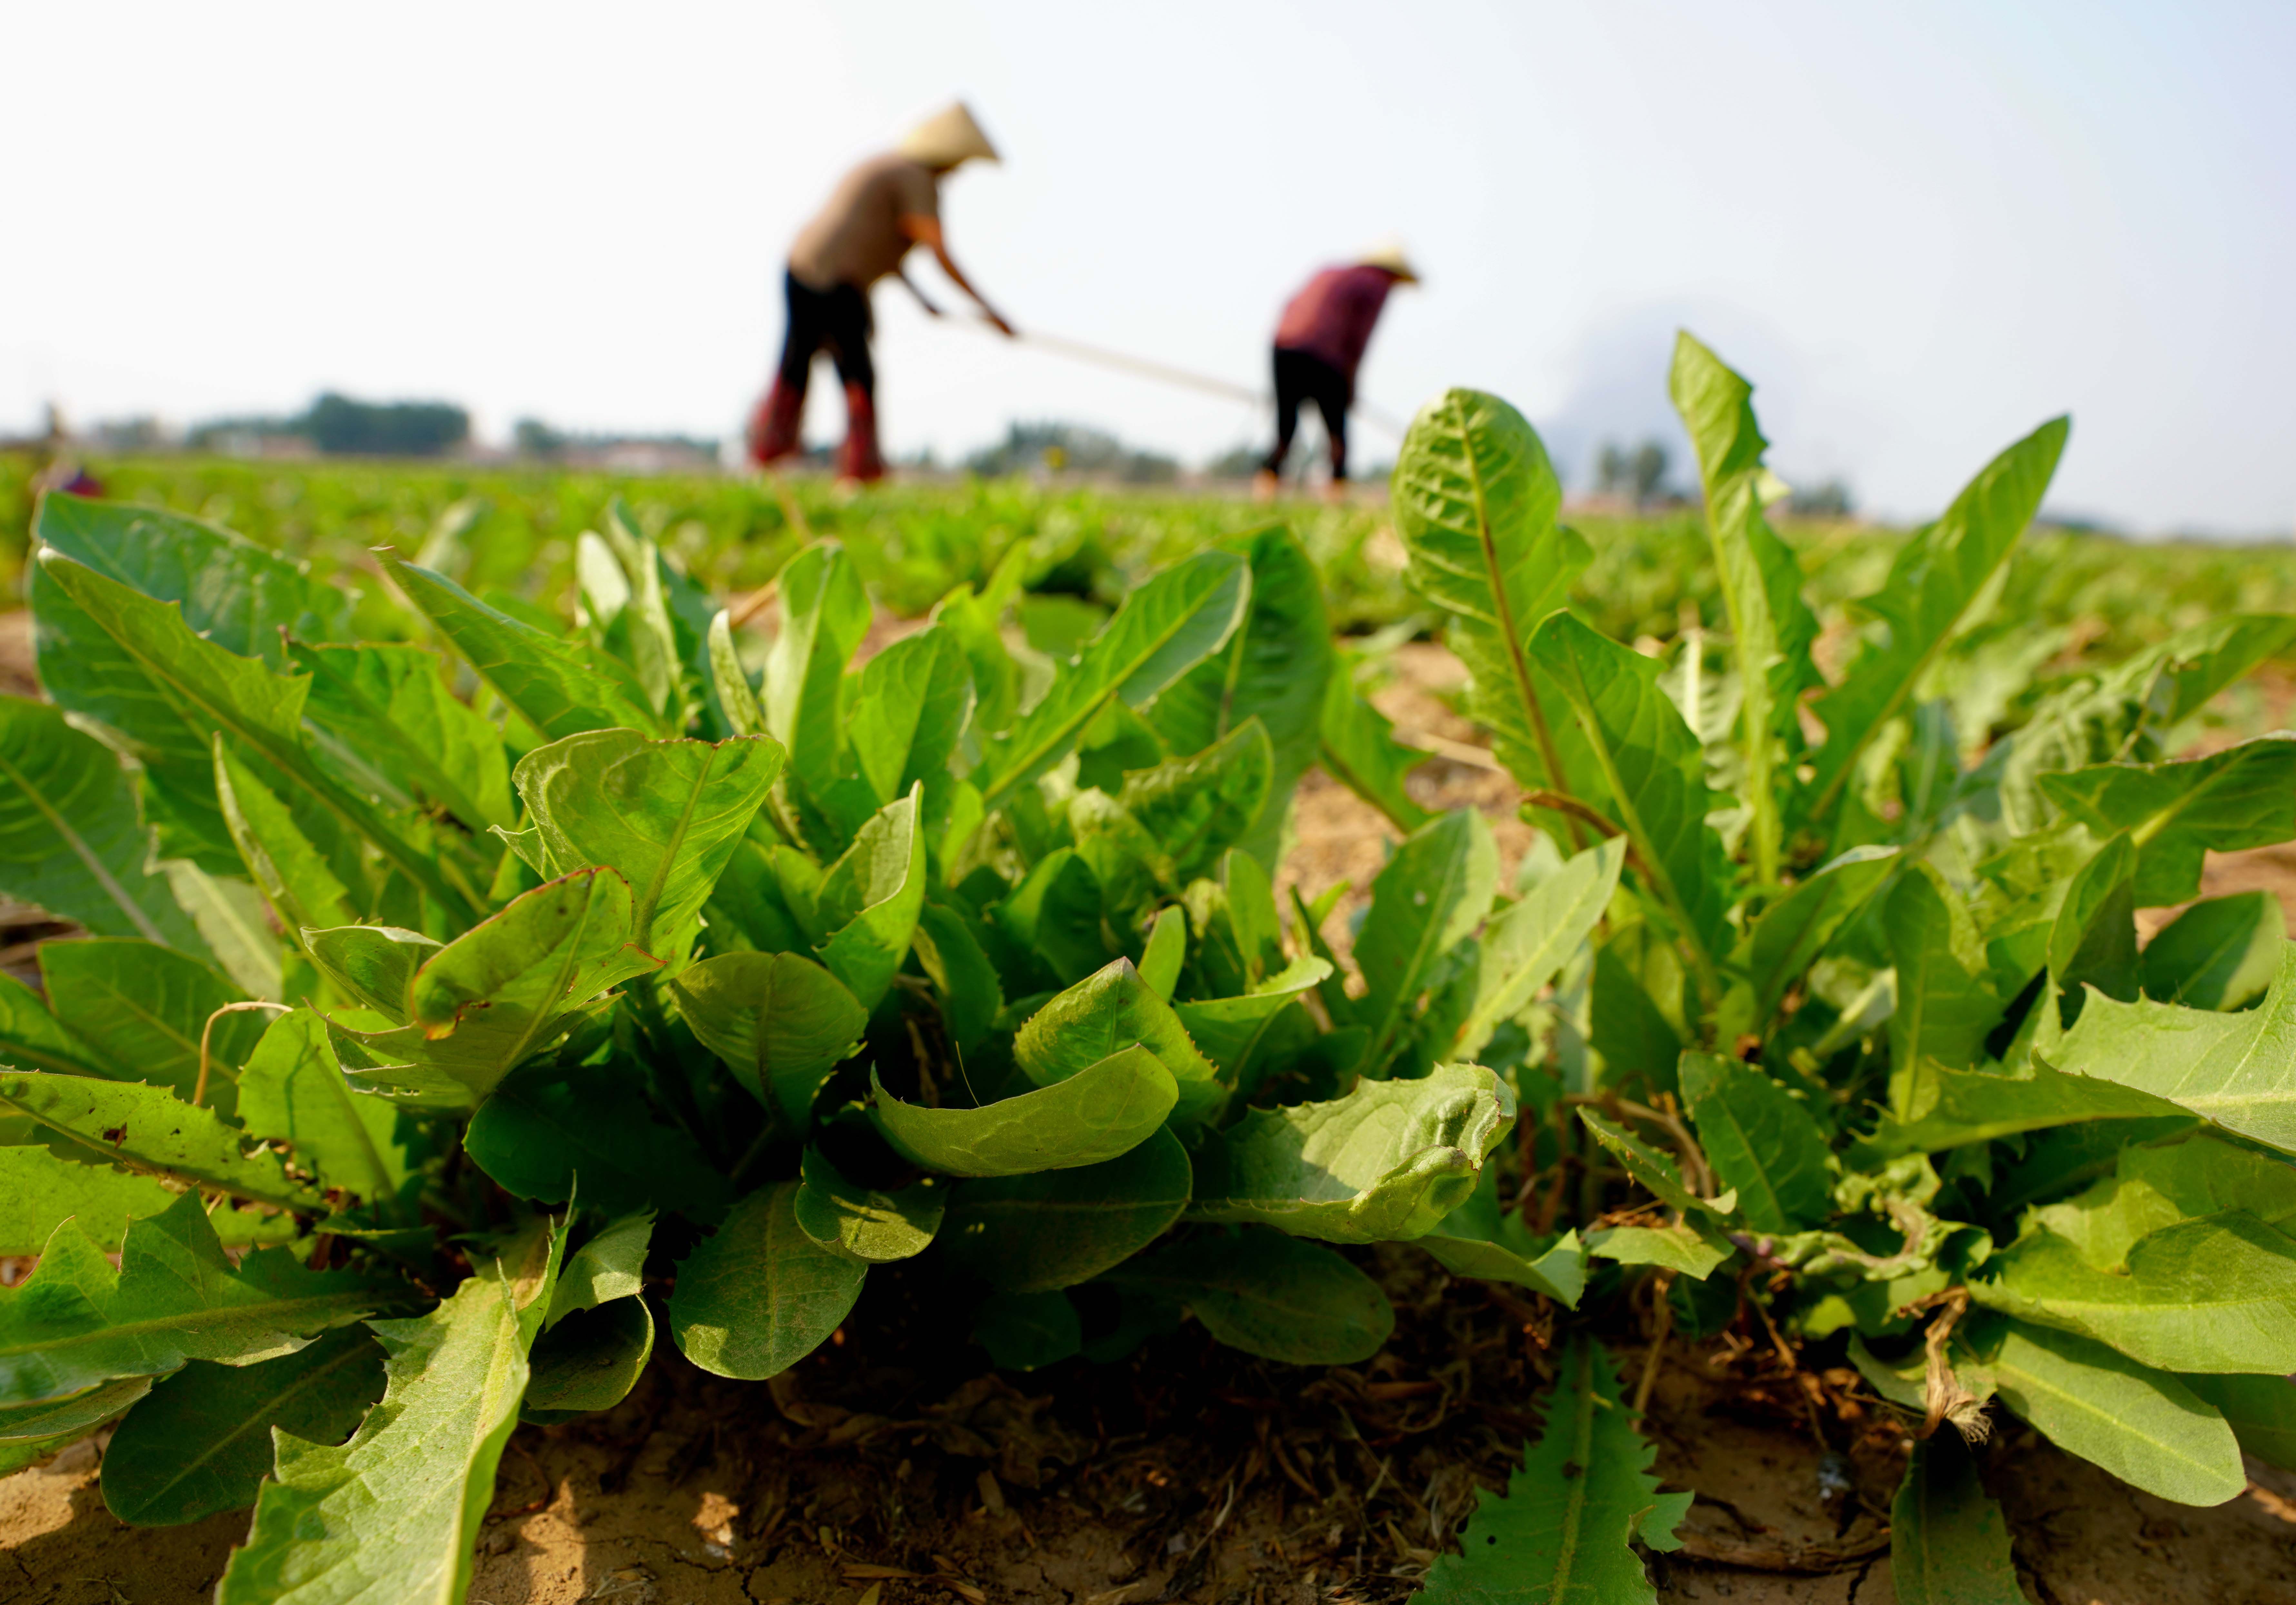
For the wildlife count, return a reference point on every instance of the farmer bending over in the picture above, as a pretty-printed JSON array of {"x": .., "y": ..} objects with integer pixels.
[
  {"x": 1320, "y": 343},
  {"x": 883, "y": 207}
]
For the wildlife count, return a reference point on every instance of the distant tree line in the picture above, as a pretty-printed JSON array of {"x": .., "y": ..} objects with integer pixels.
[{"x": 336, "y": 425}]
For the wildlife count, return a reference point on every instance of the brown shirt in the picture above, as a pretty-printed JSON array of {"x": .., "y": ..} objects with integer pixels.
[{"x": 857, "y": 238}]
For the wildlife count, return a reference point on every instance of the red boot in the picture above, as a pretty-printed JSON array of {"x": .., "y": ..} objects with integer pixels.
[
  {"x": 861, "y": 460},
  {"x": 772, "y": 432}
]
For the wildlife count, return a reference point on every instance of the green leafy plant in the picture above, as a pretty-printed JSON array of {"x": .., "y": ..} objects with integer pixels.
[
  {"x": 1873, "y": 1013},
  {"x": 456, "y": 1005},
  {"x": 531, "y": 966}
]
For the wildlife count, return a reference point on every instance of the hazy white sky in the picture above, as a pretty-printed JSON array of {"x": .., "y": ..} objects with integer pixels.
[{"x": 1920, "y": 228}]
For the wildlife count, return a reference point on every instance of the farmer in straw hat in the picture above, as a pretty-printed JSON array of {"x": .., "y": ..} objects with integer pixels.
[
  {"x": 1319, "y": 344},
  {"x": 883, "y": 207}
]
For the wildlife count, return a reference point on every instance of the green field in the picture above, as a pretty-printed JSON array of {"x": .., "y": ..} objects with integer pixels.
[
  {"x": 1896, "y": 950},
  {"x": 515, "y": 528}
]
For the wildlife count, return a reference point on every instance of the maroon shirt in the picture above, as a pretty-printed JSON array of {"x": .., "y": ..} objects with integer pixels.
[{"x": 1333, "y": 317}]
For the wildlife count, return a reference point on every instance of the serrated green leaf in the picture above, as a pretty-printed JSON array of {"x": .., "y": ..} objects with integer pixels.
[
  {"x": 1653, "y": 769},
  {"x": 1526, "y": 945},
  {"x": 1428, "y": 898},
  {"x": 2207, "y": 1294},
  {"x": 1950, "y": 1108},
  {"x": 761, "y": 1295},
  {"x": 560, "y": 688},
  {"x": 71, "y": 838},
  {"x": 234, "y": 925},
  {"x": 870, "y": 900},
  {"x": 201, "y": 1443},
  {"x": 554, "y": 1134},
  {"x": 1105, "y": 1013},
  {"x": 1034, "y": 1233},
  {"x": 504, "y": 990},
  {"x": 34, "y": 1039},
  {"x": 1653, "y": 1170},
  {"x": 1356, "y": 745},
  {"x": 55, "y": 1422},
  {"x": 1934, "y": 580},
  {"x": 1692, "y": 1248},
  {"x": 1164, "y": 629},
  {"x": 1790, "y": 934},
  {"x": 2178, "y": 814},
  {"x": 861, "y": 1223},
  {"x": 374, "y": 964},
  {"x": 294, "y": 1089},
  {"x": 2144, "y": 1426},
  {"x": 1771, "y": 626},
  {"x": 239, "y": 595},
  {"x": 2220, "y": 953},
  {"x": 1106, "y": 1109},
  {"x": 1573, "y": 1509},
  {"x": 393, "y": 1515},
  {"x": 1948, "y": 1541},
  {"x": 1272, "y": 669},
  {"x": 212, "y": 689},
  {"x": 147, "y": 1006},
  {"x": 75, "y": 1321},
  {"x": 40, "y": 1190},
  {"x": 1228, "y": 1030},
  {"x": 2153, "y": 1188},
  {"x": 236, "y": 593},
  {"x": 779, "y": 1021},
  {"x": 1764, "y": 1143},
  {"x": 290, "y": 870},
  {"x": 2094, "y": 717},
  {"x": 1195, "y": 808},
  {"x": 1268, "y": 1294},
  {"x": 667, "y": 815},
  {"x": 2238, "y": 1070},
  {"x": 1475, "y": 500},
  {"x": 1386, "y": 1162},
  {"x": 2092, "y": 942},
  {"x": 393, "y": 706},
  {"x": 1946, "y": 1001},
  {"x": 150, "y": 1128}
]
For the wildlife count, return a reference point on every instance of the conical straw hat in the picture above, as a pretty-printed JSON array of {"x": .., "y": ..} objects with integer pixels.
[
  {"x": 947, "y": 137},
  {"x": 1388, "y": 252}
]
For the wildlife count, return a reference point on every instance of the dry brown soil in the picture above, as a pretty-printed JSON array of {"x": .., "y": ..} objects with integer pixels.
[{"x": 893, "y": 1466}]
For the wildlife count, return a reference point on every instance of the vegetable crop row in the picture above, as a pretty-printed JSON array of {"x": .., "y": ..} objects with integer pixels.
[{"x": 455, "y": 1013}]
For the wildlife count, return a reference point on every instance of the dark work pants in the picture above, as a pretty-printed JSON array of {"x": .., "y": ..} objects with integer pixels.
[
  {"x": 1301, "y": 377},
  {"x": 836, "y": 321}
]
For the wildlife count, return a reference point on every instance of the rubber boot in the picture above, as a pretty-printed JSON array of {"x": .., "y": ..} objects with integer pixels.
[
  {"x": 861, "y": 460},
  {"x": 774, "y": 425}
]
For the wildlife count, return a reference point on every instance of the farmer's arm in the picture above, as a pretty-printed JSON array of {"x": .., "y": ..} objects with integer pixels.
[{"x": 926, "y": 232}]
